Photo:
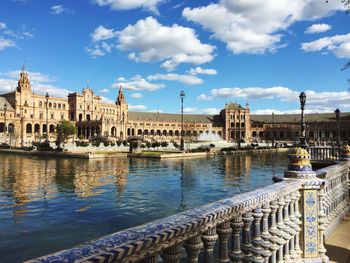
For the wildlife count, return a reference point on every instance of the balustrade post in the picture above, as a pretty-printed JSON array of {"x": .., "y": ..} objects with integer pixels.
[
  {"x": 193, "y": 247},
  {"x": 321, "y": 218},
  {"x": 299, "y": 168},
  {"x": 273, "y": 230},
  {"x": 150, "y": 259},
  {"x": 281, "y": 229},
  {"x": 224, "y": 230},
  {"x": 257, "y": 240},
  {"x": 246, "y": 239},
  {"x": 266, "y": 236},
  {"x": 236, "y": 254},
  {"x": 172, "y": 254},
  {"x": 209, "y": 238}
]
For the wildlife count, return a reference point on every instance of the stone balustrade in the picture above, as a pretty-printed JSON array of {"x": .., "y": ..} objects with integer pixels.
[
  {"x": 324, "y": 153},
  {"x": 335, "y": 194},
  {"x": 284, "y": 222}
]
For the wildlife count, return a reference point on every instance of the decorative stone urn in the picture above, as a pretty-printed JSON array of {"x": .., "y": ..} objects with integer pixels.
[
  {"x": 345, "y": 153},
  {"x": 299, "y": 164}
]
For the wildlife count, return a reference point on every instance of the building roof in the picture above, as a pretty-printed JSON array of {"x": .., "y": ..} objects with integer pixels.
[
  {"x": 199, "y": 118},
  {"x": 2, "y": 104},
  {"x": 169, "y": 117},
  {"x": 234, "y": 106},
  {"x": 313, "y": 117}
]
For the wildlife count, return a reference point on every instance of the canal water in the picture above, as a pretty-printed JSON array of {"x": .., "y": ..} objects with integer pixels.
[{"x": 51, "y": 204}]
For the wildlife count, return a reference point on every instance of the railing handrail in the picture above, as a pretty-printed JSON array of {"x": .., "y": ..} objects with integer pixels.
[{"x": 173, "y": 229}]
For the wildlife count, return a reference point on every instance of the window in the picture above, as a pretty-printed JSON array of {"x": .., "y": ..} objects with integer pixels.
[
  {"x": 41, "y": 115},
  {"x": 59, "y": 105},
  {"x": 62, "y": 116},
  {"x": 52, "y": 115},
  {"x": 63, "y": 106},
  {"x": 40, "y": 104}
]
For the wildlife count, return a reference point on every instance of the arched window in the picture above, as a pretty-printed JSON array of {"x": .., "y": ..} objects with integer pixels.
[
  {"x": 40, "y": 103},
  {"x": 55, "y": 105},
  {"x": 29, "y": 128},
  {"x": 52, "y": 128},
  {"x": 50, "y": 105},
  {"x": 59, "y": 105},
  {"x": 80, "y": 117}
]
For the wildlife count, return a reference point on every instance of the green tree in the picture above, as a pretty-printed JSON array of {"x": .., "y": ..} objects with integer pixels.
[{"x": 63, "y": 130}]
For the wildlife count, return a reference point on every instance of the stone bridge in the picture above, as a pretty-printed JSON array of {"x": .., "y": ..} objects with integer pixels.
[{"x": 285, "y": 222}]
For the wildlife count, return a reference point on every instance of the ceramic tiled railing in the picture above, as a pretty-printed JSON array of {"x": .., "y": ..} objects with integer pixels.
[
  {"x": 258, "y": 225},
  {"x": 335, "y": 195},
  {"x": 284, "y": 222}
]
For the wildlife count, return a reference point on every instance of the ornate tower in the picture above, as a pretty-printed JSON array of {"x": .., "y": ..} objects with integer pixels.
[
  {"x": 23, "y": 82},
  {"x": 122, "y": 112}
]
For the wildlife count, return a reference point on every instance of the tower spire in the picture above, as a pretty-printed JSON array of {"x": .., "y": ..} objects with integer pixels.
[
  {"x": 120, "y": 98},
  {"x": 24, "y": 66}
]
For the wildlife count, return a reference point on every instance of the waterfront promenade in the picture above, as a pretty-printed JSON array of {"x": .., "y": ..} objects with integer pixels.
[{"x": 338, "y": 244}]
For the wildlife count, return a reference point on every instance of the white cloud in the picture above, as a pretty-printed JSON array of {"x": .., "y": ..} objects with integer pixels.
[
  {"x": 204, "y": 97},
  {"x": 2, "y": 25},
  {"x": 254, "y": 26},
  {"x": 57, "y": 9},
  {"x": 5, "y": 43},
  {"x": 136, "y": 95},
  {"x": 294, "y": 111},
  {"x": 107, "y": 100},
  {"x": 286, "y": 94},
  {"x": 137, "y": 83},
  {"x": 185, "y": 79},
  {"x": 150, "y": 41},
  {"x": 199, "y": 70},
  {"x": 130, "y": 4},
  {"x": 137, "y": 107},
  {"x": 318, "y": 28},
  {"x": 210, "y": 111},
  {"x": 104, "y": 90},
  {"x": 34, "y": 77},
  {"x": 339, "y": 45},
  {"x": 95, "y": 51},
  {"x": 41, "y": 83},
  {"x": 103, "y": 33},
  {"x": 267, "y": 112}
]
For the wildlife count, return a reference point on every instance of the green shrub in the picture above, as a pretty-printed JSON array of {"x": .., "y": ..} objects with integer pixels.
[
  {"x": 164, "y": 144},
  {"x": 4, "y": 145},
  {"x": 44, "y": 147}
]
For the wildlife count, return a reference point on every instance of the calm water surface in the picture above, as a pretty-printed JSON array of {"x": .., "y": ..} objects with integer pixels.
[{"x": 51, "y": 204}]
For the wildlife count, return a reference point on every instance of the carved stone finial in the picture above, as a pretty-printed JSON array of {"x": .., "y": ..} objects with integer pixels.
[
  {"x": 299, "y": 164},
  {"x": 345, "y": 153}
]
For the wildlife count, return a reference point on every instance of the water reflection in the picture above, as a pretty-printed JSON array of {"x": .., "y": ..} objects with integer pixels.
[{"x": 63, "y": 202}]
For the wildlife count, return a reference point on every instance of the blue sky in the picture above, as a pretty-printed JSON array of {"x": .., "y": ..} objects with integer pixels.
[{"x": 261, "y": 52}]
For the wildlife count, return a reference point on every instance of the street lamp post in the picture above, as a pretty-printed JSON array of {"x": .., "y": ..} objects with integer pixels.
[
  {"x": 5, "y": 109},
  {"x": 47, "y": 116},
  {"x": 302, "y": 98},
  {"x": 273, "y": 129},
  {"x": 337, "y": 114},
  {"x": 182, "y": 96}
]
